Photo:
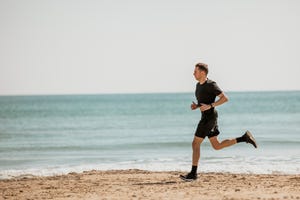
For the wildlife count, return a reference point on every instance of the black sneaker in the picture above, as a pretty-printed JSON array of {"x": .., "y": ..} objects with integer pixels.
[
  {"x": 249, "y": 138},
  {"x": 189, "y": 177}
]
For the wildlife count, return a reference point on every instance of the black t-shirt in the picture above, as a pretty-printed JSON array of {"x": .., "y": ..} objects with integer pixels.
[{"x": 206, "y": 93}]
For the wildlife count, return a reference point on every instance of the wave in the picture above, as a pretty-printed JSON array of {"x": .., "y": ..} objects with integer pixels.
[
  {"x": 126, "y": 145},
  {"x": 225, "y": 165}
]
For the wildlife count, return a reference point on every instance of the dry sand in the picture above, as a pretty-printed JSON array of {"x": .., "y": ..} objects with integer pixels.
[{"x": 137, "y": 184}]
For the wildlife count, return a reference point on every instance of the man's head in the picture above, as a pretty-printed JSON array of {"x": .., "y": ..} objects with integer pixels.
[{"x": 201, "y": 71}]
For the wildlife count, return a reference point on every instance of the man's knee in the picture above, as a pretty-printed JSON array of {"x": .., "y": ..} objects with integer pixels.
[
  {"x": 215, "y": 143},
  {"x": 216, "y": 146},
  {"x": 196, "y": 143}
]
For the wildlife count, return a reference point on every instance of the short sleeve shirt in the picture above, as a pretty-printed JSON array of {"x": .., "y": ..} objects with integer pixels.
[{"x": 206, "y": 93}]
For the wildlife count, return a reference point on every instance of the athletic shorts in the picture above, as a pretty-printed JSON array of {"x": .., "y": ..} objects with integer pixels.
[{"x": 208, "y": 125}]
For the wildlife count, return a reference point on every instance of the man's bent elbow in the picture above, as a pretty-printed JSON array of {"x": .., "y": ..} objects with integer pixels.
[{"x": 226, "y": 98}]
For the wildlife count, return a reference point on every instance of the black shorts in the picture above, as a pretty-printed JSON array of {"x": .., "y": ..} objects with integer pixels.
[{"x": 208, "y": 125}]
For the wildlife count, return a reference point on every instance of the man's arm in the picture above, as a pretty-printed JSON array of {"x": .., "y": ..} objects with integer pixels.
[{"x": 222, "y": 99}]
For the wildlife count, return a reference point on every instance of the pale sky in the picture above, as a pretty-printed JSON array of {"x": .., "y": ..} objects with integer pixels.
[{"x": 137, "y": 46}]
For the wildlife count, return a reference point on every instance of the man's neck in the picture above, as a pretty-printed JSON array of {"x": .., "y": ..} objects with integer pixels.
[{"x": 202, "y": 80}]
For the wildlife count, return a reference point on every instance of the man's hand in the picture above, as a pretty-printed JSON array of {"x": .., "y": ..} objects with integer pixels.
[
  {"x": 204, "y": 107},
  {"x": 194, "y": 106}
]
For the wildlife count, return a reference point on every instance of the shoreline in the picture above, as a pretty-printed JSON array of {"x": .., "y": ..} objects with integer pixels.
[{"x": 141, "y": 184}]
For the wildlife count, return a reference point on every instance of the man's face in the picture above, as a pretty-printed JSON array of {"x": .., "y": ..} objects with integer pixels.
[{"x": 198, "y": 74}]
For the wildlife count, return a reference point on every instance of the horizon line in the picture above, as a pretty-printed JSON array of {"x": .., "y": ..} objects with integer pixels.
[{"x": 134, "y": 93}]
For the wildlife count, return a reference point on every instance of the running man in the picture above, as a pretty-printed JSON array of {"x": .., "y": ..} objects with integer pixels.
[{"x": 206, "y": 93}]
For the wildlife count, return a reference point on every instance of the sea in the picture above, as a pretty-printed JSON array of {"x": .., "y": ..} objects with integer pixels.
[{"x": 58, "y": 134}]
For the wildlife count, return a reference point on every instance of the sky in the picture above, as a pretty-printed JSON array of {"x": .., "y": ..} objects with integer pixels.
[{"x": 139, "y": 46}]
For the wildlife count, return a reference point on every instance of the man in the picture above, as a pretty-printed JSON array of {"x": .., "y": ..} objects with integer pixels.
[{"x": 206, "y": 93}]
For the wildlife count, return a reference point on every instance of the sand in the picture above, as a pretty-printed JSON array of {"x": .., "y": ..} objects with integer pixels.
[{"x": 138, "y": 184}]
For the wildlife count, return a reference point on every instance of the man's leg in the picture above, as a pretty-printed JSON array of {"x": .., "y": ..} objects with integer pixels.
[
  {"x": 196, "y": 150},
  {"x": 247, "y": 137},
  {"x": 196, "y": 156},
  {"x": 220, "y": 145}
]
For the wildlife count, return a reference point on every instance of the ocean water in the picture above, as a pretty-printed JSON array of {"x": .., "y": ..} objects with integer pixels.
[{"x": 50, "y": 135}]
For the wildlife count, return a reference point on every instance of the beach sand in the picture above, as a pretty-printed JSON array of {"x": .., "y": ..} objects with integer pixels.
[{"x": 138, "y": 184}]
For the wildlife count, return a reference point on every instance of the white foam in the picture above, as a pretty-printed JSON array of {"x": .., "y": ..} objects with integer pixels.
[{"x": 229, "y": 165}]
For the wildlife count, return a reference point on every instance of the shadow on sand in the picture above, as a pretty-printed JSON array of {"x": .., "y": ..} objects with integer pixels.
[{"x": 156, "y": 183}]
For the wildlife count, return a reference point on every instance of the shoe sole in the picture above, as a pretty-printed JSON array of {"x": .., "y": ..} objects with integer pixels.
[
  {"x": 252, "y": 138},
  {"x": 185, "y": 179}
]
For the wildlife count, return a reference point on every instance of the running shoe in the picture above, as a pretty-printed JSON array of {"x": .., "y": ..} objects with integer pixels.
[
  {"x": 250, "y": 139},
  {"x": 189, "y": 177}
]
